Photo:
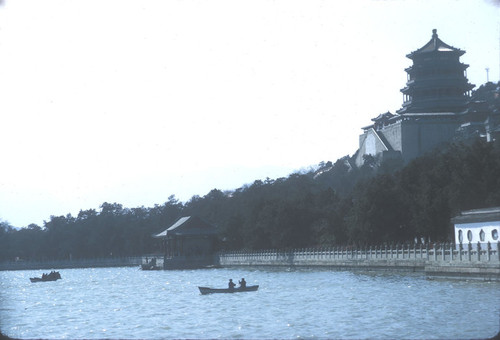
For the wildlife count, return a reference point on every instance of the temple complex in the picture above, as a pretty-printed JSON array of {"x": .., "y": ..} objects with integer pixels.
[{"x": 437, "y": 108}]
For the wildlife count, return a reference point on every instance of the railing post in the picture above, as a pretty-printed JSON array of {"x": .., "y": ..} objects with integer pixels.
[
  {"x": 498, "y": 251},
  {"x": 478, "y": 251},
  {"x": 452, "y": 246},
  {"x": 489, "y": 251},
  {"x": 443, "y": 251},
  {"x": 469, "y": 251}
]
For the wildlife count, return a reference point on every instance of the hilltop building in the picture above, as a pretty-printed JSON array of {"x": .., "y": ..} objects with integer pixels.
[{"x": 437, "y": 108}]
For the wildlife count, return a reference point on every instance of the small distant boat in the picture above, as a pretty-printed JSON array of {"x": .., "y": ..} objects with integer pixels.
[
  {"x": 149, "y": 266},
  {"x": 206, "y": 290},
  {"x": 53, "y": 276}
]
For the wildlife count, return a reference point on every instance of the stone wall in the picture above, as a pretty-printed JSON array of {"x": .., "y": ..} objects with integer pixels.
[{"x": 412, "y": 135}]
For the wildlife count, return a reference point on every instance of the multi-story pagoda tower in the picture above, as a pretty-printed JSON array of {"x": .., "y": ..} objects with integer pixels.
[
  {"x": 437, "y": 80},
  {"x": 436, "y": 98}
]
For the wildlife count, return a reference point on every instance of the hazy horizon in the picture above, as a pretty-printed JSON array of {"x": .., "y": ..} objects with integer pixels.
[{"x": 132, "y": 102}]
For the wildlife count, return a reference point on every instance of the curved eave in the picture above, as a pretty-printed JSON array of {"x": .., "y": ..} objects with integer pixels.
[
  {"x": 415, "y": 54},
  {"x": 416, "y": 68},
  {"x": 416, "y": 86}
]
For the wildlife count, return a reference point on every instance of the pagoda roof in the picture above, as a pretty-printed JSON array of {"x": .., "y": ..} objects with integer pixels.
[{"x": 435, "y": 45}]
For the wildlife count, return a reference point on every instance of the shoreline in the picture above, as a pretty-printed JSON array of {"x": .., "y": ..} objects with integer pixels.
[{"x": 440, "y": 261}]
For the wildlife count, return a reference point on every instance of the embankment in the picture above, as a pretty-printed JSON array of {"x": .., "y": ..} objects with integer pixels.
[{"x": 437, "y": 261}]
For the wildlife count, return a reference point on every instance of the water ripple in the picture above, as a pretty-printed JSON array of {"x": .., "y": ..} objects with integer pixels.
[{"x": 130, "y": 304}]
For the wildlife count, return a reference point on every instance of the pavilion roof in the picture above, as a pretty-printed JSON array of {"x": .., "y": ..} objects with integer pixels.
[
  {"x": 188, "y": 225},
  {"x": 435, "y": 45}
]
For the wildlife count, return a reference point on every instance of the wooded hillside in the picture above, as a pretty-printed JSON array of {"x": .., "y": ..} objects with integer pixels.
[{"x": 334, "y": 204}]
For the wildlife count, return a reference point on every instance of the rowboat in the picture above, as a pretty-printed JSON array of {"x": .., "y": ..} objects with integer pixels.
[
  {"x": 53, "y": 276},
  {"x": 206, "y": 290}
]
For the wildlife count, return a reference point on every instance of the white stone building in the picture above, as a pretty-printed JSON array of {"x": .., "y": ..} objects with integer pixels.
[{"x": 479, "y": 225}]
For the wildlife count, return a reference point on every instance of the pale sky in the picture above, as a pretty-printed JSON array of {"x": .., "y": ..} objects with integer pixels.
[{"x": 132, "y": 101}]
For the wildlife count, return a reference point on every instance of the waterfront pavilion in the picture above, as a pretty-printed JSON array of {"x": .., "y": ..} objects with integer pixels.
[{"x": 189, "y": 241}]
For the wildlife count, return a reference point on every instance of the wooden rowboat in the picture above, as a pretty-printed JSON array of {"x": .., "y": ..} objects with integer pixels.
[
  {"x": 206, "y": 290},
  {"x": 53, "y": 276}
]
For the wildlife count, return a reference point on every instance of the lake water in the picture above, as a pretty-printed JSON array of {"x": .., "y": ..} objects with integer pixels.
[{"x": 303, "y": 303}]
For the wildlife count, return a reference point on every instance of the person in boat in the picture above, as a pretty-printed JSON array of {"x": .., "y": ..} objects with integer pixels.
[
  {"x": 243, "y": 283},
  {"x": 231, "y": 284}
]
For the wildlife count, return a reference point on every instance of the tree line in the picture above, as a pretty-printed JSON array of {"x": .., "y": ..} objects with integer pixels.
[{"x": 333, "y": 204}]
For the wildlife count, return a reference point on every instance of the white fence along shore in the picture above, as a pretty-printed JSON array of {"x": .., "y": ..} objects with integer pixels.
[{"x": 442, "y": 259}]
